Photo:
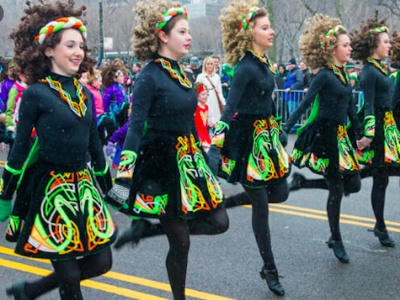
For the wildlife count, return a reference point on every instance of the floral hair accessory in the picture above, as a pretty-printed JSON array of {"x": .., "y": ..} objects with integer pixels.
[
  {"x": 377, "y": 29},
  {"x": 169, "y": 14},
  {"x": 247, "y": 18},
  {"x": 334, "y": 31},
  {"x": 60, "y": 24}
]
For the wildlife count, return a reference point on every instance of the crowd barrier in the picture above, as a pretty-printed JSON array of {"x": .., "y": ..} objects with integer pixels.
[{"x": 286, "y": 104}]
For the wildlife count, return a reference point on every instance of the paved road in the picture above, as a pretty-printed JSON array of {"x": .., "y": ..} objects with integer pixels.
[{"x": 227, "y": 266}]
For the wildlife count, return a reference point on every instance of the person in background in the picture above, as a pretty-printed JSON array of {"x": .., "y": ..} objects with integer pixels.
[
  {"x": 306, "y": 75},
  {"x": 246, "y": 137},
  {"x": 115, "y": 99},
  {"x": 212, "y": 81},
  {"x": 217, "y": 64},
  {"x": 116, "y": 143},
  {"x": 13, "y": 103},
  {"x": 195, "y": 66},
  {"x": 51, "y": 50},
  {"x": 201, "y": 115},
  {"x": 105, "y": 122},
  {"x": 292, "y": 87},
  {"x": 136, "y": 68},
  {"x": 350, "y": 67},
  {"x": 226, "y": 79},
  {"x": 379, "y": 148},
  {"x": 281, "y": 105}
]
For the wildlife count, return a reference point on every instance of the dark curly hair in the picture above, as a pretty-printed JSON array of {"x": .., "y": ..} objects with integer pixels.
[
  {"x": 4, "y": 62},
  {"x": 29, "y": 55},
  {"x": 108, "y": 72},
  {"x": 363, "y": 44}
]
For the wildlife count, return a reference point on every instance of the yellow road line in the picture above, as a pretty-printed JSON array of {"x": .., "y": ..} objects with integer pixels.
[
  {"x": 87, "y": 283},
  {"x": 321, "y": 215},
  {"x": 121, "y": 277}
]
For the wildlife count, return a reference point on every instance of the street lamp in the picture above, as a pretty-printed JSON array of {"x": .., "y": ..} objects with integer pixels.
[{"x": 101, "y": 41}]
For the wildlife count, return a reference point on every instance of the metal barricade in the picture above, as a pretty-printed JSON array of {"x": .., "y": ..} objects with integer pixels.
[{"x": 287, "y": 103}]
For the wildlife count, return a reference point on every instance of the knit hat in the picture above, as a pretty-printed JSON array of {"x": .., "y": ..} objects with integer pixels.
[
  {"x": 194, "y": 61},
  {"x": 292, "y": 61},
  {"x": 350, "y": 65}
]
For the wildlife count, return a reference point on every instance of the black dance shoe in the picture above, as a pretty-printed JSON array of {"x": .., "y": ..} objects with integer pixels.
[
  {"x": 18, "y": 291},
  {"x": 133, "y": 234},
  {"x": 338, "y": 250},
  {"x": 297, "y": 182},
  {"x": 272, "y": 278},
  {"x": 384, "y": 238}
]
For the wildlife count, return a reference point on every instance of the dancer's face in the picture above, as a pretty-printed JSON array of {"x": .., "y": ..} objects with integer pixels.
[
  {"x": 177, "y": 43},
  {"x": 342, "y": 53},
  {"x": 383, "y": 49},
  {"x": 263, "y": 34},
  {"x": 68, "y": 54}
]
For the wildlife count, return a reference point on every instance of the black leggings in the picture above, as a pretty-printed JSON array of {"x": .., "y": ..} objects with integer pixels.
[
  {"x": 68, "y": 274},
  {"x": 351, "y": 183},
  {"x": 337, "y": 186},
  {"x": 380, "y": 179},
  {"x": 178, "y": 233},
  {"x": 259, "y": 198}
]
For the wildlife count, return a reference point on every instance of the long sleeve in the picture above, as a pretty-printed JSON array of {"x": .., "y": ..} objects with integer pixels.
[
  {"x": 143, "y": 96},
  {"x": 316, "y": 85},
  {"x": 240, "y": 80},
  {"x": 298, "y": 85},
  {"x": 368, "y": 85},
  {"x": 27, "y": 117},
  {"x": 12, "y": 95}
]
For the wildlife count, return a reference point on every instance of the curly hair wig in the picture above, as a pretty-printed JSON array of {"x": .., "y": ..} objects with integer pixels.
[
  {"x": 364, "y": 45},
  {"x": 237, "y": 42},
  {"x": 395, "y": 51},
  {"x": 145, "y": 41},
  {"x": 29, "y": 55},
  {"x": 316, "y": 44}
]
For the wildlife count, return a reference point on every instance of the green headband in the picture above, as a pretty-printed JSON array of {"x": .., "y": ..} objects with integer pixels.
[
  {"x": 378, "y": 29},
  {"x": 334, "y": 31},
  {"x": 169, "y": 14},
  {"x": 247, "y": 18},
  {"x": 60, "y": 24}
]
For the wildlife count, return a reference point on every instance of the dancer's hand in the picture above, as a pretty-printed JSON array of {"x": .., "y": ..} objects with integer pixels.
[
  {"x": 5, "y": 209},
  {"x": 363, "y": 143},
  {"x": 118, "y": 194}
]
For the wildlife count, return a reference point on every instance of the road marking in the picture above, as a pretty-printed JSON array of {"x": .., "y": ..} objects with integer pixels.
[
  {"x": 322, "y": 215},
  {"x": 103, "y": 286}
]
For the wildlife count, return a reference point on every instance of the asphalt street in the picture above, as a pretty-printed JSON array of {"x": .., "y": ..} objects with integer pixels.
[{"x": 227, "y": 266}]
